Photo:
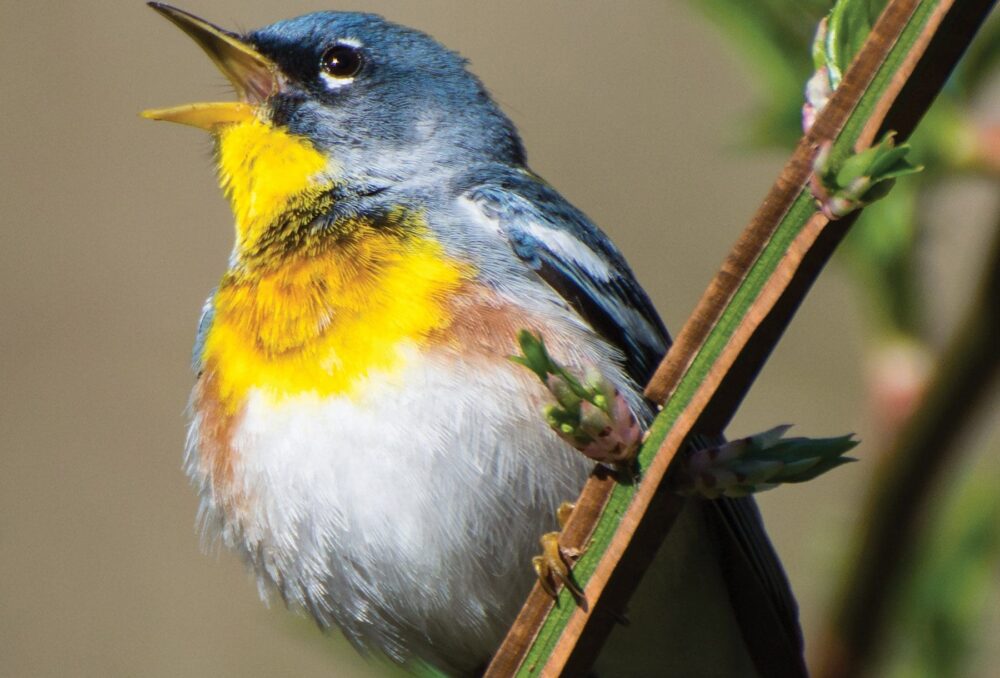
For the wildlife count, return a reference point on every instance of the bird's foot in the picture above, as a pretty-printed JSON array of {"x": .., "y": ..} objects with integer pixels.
[
  {"x": 554, "y": 564},
  {"x": 563, "y": 513}
]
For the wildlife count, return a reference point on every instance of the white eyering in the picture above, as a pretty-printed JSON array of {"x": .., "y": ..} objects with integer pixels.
[{"x": 332, "y": 82}]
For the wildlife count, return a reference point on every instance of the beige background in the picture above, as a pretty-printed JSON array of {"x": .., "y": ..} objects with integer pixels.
[{"x": 112, "y": 232}]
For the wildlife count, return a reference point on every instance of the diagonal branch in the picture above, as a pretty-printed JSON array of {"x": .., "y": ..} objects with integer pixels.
[{"x": 708, "y": 371}]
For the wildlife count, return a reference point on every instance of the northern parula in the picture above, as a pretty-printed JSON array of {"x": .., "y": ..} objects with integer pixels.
[{"x": 358, "y": 433}]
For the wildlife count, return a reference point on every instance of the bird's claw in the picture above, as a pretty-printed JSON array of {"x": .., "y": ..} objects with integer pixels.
[
  {"x": 554, "y": 563},
  {"x": 553, "y": 566},
  {"x": 563, "y": 513}
]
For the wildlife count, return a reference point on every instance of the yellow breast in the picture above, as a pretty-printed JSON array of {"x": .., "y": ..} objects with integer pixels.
[
  {"x": 321, "y": 322},
  {"x": 320, "y": 315}
]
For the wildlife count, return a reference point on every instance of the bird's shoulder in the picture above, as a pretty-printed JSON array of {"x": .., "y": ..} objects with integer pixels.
[{"x": 570, "y": 254}]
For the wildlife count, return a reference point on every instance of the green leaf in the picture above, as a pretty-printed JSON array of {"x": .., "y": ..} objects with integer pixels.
[
  {"x": 848, "y": 27},
  {"x": 887, "y": 159},
  {"x": 878, "y": 191},
  {"x": 823, "y": 466},
  {"x": 770, "y": 437},
  {"x": 856, "y": 166},
  {"x": 534, "y": 351}
]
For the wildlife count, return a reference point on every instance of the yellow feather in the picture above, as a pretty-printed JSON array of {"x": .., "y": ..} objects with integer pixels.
[
  {"x": 320, "y": 323},
  {"x": 263, "y": 170},
  {"x": 334, "y": 309}
]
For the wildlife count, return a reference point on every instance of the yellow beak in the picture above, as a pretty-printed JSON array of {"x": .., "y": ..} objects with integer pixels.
[{"x": 253, "y": 76}]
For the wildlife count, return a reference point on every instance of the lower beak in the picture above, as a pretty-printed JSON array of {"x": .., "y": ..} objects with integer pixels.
[
  {"x": 206, "y": 115},
  {"x": 253, "y": 76}
]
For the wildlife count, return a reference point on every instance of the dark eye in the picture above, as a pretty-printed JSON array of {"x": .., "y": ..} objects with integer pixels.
[{"x": 342, "y": 61}]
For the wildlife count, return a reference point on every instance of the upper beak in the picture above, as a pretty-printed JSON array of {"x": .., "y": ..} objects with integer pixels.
[{"x": 254, "y": 76}]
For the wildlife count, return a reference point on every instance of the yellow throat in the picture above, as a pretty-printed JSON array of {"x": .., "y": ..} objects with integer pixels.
[
  {"x": 265, "y": 171},
  {"x": 319, "y": 316}
]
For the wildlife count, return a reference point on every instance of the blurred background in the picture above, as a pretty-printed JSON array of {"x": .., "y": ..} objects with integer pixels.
[{"x": 646, "y": 115}]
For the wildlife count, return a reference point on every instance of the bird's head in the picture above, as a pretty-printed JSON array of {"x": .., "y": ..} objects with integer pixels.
[{"x": 337, "y": 98}]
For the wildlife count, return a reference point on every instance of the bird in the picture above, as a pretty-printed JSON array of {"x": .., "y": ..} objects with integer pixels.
[{"x": 358, "y": 433}]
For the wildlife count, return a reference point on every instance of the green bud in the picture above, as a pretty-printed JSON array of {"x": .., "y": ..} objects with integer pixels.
[
  {"x": 758, "y": 462},
  {"x": 536, "y": 357},
  {"x": 563, "y": 392},
  {"x": 795, "y": 468}
]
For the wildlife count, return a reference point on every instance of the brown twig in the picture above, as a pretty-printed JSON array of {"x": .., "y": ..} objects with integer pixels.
[{"x": 648, "y": 517}]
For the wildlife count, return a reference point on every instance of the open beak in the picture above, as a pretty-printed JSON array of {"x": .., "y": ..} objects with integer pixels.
[{"x": 254, "y": 76}]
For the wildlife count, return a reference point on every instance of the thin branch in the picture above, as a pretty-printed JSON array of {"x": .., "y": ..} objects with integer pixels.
[
  {"x": 736, "y": 325},
  {"x": 923, "y": 454}
]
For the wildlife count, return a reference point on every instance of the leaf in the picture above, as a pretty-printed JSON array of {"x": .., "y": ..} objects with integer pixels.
[
  {"x": 855, "y": 166},
  {"x": 535, "y": 357},
  {"x": 848, "y": 27},
  {"x": 824, "y": 466}
]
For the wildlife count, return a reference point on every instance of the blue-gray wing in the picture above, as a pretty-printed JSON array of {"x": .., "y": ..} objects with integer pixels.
[{"x": 580, "y": 263}]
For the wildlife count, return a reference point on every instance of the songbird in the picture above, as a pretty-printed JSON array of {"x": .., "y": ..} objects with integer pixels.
[{"x": 358, "y": 434}]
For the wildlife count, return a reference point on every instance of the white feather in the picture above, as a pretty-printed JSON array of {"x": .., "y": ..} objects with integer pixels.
[
  {"x": 407, "y": 514},
  {"x": 560, "y": 242},
  {"x": 565, "y": 245}
]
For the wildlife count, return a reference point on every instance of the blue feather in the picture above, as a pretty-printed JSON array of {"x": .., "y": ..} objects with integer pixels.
[{"x": 574, "y": 257}]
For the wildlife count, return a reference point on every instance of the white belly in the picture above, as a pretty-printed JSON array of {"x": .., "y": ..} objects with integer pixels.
[{"x": 408, "y": 513}]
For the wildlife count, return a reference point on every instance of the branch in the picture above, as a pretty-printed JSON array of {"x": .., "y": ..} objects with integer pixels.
[
  {"x": 923, "y": 452},
  {"x": 738, "y": 322}
]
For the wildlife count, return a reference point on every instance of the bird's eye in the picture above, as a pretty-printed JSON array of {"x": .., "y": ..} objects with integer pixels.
[{"x": 341, "y": 62}]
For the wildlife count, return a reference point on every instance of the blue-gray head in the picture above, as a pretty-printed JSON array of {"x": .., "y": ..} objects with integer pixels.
[{"x": 376, "y": 97}]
